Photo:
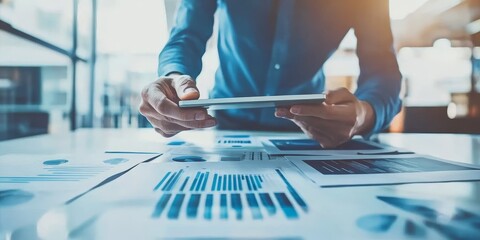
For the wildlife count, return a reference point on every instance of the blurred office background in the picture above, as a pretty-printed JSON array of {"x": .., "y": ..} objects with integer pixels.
[{"x": 68, "y": 64}]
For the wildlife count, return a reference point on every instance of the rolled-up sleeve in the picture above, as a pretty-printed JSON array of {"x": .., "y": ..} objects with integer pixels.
[
  {"x": 186, "y": 45},
  {"x": 380, "y": 79}
]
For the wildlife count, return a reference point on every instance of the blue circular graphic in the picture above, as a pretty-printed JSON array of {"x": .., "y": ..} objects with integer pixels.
[
  {"x": 12, "y": 197},
  {"x": 55, "y": 162},
  {"x": 188, "y": 159},
  {"x": 115, "y": 161},
  {"x": 176, "y": 143}
]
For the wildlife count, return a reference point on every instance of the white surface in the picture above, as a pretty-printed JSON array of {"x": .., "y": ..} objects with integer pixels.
[{"x": 121, "y": 209}]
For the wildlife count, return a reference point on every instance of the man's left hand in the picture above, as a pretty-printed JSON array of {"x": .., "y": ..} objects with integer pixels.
[{"x": 335, "y": 121}]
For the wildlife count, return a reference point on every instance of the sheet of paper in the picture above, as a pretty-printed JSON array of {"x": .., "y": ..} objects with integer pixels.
[
  {"x": 382, "y": 169},
  {"x": 305, "y": 146},
  {"x": 190, "y": 200},
  {"x": 167, "y": 198},
  {"x": 31, "y": 184}
]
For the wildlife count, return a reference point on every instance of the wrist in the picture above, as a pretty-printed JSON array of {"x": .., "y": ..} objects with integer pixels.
[{"x": 366, "y": 118}]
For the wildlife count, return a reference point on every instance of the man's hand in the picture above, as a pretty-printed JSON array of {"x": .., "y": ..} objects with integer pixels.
[
  {"x": 333, "y": 122},
  {"x": 160, "y": 105}
]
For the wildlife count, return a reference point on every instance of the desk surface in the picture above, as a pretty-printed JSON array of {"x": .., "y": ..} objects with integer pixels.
[{"x": 454, "y": 147}]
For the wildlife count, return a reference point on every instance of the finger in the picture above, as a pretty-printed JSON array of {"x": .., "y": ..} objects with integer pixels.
[
  {"x": 148, "y": 111},
  {"x": 339, "y": 96},
  {"x": 322, "y": 138},
  {"x": 185, "y": 87},
  {"x": 166, "y": 107},
  {"x": 209, "y": 122},
  {"x": 336, "y": 132},
  {"x": 158, "y": 130},
  {"x": 167, "y": 127},
  {"x": 461, "y": 43},
  {"x": 330, "y": 112},
  {"x": 199, "y": 115},
  {"x": 283, "y": 113}
]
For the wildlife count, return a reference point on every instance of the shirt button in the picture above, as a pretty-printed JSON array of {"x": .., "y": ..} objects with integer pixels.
[{"x": 277, "y": 66}]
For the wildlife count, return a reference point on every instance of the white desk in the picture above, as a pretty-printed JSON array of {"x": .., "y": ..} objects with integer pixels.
[{"x": 461, "y": 148}]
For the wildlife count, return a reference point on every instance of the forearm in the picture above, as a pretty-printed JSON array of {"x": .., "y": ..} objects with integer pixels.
[{"x": 186, "y": 45}]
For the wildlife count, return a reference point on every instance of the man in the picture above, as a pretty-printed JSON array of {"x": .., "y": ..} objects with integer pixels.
[{"x": 278, "y": 47}]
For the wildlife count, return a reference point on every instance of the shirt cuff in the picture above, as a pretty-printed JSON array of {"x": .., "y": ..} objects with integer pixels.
[{"x": 171, "y": 67}]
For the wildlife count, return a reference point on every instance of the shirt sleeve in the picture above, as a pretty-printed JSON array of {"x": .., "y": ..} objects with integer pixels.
[
  {"x": 380, "y": 79},
  {"x": 186, "y": 45}
]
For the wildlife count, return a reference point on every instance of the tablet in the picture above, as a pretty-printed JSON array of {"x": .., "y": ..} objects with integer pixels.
[{"x": 253, "y": 102}]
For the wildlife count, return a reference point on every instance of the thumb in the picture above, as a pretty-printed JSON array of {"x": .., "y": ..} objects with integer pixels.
[
  {"x": 185, "y": 87},
  {"x": 339, "y": 96}
]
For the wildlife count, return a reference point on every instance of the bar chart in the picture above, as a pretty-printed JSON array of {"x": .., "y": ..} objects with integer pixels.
[{"x": 208, "y": 194}]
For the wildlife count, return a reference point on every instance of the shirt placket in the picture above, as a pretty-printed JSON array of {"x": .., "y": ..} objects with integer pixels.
[{"x": 279, "y": 50}]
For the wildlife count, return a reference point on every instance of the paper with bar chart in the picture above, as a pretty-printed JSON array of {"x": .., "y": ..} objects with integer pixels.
[
  {"x": 382, "y": 169},
  {"x": 173, "y": 196}
]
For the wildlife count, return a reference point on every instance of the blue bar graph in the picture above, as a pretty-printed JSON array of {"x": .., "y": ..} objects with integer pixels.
[
  {"x": 200, "y": 181},
  {"x": 229, "y": 182},
  {"x": 268, "y": 203},
  {"x": 224, "y": 184},
  {"x": 227, "y": 193},
  {"x": 204, "y": 185},
  {"x": 169, "y": 187},
  {"x": 208, "y": 207},
  {"x": 192, "y": 206},
  {"x": 249, "y": 185},
  {"x": 162, "y": 180},
  {"x": 254, "y": 207},
  {"x": 223, "y": 206},
  {"x": 254, "y": 185},
  {"x": 292, "y": 191},
  {"x": 195, "y": 181},
  {"x": 234, "y": 182},
  {"x": 215, "y": 176},
  {"x": 286, "y": 205},
  {"x": 257, "y": 181},
  {"x": 174, "y": 211},
  {"x": 184, "y": 184},
  {"x": 236, "y": 203},
  {"x": 219, "y": 184},
  {"x": 162, "y": 203},
  {"x": 169, "y": 181},
  {"x": 240, "y": 187}
]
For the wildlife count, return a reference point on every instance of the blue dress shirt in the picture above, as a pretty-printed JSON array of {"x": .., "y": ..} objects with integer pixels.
[{"x": 277, "y": 47}]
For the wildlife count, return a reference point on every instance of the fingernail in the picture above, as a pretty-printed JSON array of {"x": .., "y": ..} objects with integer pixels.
[
  {"x": 210, "y": 123},
  {"x": 189, "y": 90},
  {"x": 200, "y": 116},
  {"x": 295, "y": 110},
  {"x": 280, "y": 113}
]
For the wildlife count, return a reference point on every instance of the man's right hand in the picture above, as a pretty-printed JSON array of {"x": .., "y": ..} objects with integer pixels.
[{"x": 160, "y": 105}]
